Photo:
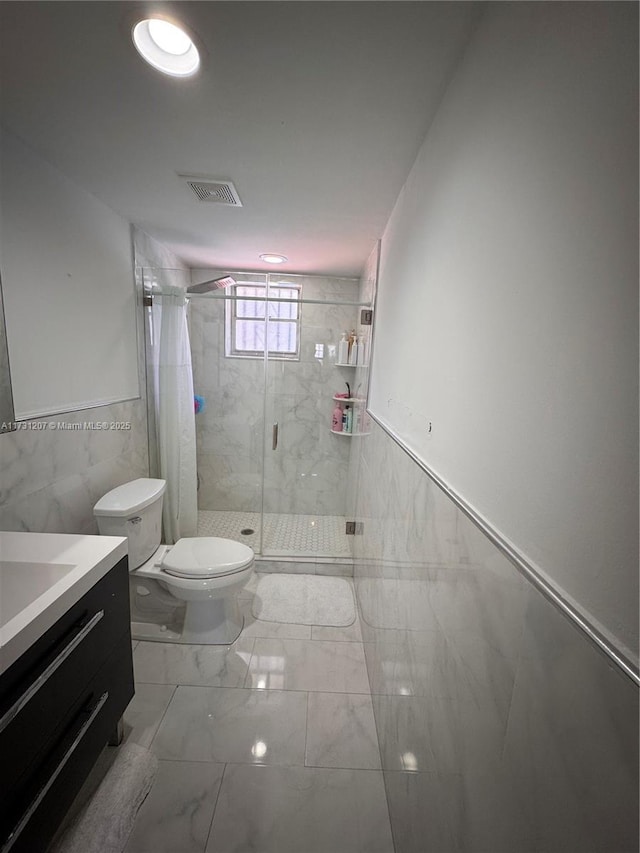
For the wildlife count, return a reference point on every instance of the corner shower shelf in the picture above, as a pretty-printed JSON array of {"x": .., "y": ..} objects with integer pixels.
[{"x": 357, "y": 401}]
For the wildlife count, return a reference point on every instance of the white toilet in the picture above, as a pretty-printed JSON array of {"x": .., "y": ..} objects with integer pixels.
[{"x": 204, "y": 572}]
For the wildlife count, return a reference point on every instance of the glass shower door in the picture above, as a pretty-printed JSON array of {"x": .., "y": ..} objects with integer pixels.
[
  {"x": 306, "y": 465},
  {"x": 229, "y": 378}
]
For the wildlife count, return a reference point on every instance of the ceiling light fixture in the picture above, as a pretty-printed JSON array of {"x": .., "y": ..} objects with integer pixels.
[
  {"x": 270, "y": 258},
  {"x": 166, "y": 46}
]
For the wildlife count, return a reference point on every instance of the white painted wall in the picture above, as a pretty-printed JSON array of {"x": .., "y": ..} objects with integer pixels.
[
  {"x": 67, "y": 276},
  {"x": 508, "y": 295}
]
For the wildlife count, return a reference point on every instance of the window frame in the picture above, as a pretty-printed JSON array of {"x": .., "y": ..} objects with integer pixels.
[{"x": 231, "y": 349}]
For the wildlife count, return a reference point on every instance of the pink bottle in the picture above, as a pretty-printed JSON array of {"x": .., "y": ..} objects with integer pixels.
[{"x": 336, "y": 419}]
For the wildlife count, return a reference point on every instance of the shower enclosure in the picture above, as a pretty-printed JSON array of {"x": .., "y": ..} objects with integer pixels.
[{"x": 271, "y": 472}]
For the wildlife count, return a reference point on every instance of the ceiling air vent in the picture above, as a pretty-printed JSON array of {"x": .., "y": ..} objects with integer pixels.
[{"x": 212, "y": 190}]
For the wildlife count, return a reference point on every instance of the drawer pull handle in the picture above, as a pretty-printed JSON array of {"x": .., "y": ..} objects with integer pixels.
[
  {"x": 46, "y": 674},
  {"x": 26, "y": 817}
]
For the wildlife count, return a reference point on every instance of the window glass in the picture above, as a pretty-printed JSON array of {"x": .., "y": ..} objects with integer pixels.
[{"x": 245, "y": 325}]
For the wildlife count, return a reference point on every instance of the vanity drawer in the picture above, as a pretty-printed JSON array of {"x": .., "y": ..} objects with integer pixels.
[
  {"x": 36, "y": 803},
  {"x": 37, "y": 691}
]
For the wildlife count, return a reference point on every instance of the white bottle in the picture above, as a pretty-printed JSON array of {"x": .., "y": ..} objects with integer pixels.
[
  {"x": 343, "y": 349},
  {"x": 360, "y": 350},
  {"x": 349, "y": 418},
  {"x": 353, "y": 350}
]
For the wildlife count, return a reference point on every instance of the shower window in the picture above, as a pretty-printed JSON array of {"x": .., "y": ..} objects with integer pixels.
[{"x": 246, "y": 321}]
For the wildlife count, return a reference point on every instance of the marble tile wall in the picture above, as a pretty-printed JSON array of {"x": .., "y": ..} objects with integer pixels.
[
  {"x": 308, "y": 473},
  {"x": 501, "y": 727},
  {"x": 52, "y": 476}
]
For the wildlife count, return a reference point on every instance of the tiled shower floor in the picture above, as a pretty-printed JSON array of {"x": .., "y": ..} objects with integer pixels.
[{"x": 284, "y": 534}]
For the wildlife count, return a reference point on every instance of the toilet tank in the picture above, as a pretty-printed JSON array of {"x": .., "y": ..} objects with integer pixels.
[{"x": 133, "y": 510}]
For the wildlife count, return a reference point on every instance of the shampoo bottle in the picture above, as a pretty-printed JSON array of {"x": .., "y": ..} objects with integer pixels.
[
  {"x": 360, "y": 350},
  {"x": 353, "y": 348},
  {"x": 349, "y": 414},
  {"x": 343, "y": 349},
  {"x": 336, "y": 419}
]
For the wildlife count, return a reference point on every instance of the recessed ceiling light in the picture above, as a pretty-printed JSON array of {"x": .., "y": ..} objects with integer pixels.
[
  {"x": 273, "y": 259},
  {"x": 166, "y": 46}
]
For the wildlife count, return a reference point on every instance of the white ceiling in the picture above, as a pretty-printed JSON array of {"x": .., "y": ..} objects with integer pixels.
[{"x": 315, "y": 110}]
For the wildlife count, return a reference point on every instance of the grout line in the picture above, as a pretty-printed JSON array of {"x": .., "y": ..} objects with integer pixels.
[
  {"x": 306, "y": 733},
  {"x": 263, "y": 689},
  {"x": 215, "y": 805},
  {"x": 164, "y": 713}
]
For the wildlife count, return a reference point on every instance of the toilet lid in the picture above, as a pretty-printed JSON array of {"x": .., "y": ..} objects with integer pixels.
[{"x": 206, "y": 557}]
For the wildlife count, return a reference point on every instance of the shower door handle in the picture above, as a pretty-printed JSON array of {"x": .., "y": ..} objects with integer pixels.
[{"x": 274, "y": 437}]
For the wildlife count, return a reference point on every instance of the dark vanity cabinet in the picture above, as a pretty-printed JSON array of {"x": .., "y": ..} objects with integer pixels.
[{"x": 60, "y": 702}]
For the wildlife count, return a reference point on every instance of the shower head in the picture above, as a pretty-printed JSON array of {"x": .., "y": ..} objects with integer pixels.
[{"x": 213, "y": 284}]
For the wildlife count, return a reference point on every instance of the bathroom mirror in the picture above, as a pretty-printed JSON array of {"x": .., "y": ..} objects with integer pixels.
[{"x": 6, "y": 395}]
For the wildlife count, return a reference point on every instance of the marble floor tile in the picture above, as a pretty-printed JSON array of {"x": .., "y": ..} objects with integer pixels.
[
  {"x": 349, "y": 634},
  {"x": 341, "y": 732},
  {"x": 308, "y": 665},
  {"x": 176, "y": 816},
  {"x": 145, "y": 712},
  {"x": 411, "y": 669},
  {"x": 239, "y": 725},
  {"x": 177, "y": 663},
  {"x": 300, "y": 810},
  {"x": 271, "y": 630}
]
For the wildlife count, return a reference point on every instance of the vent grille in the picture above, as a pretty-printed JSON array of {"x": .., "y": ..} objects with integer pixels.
[{"x": 217, "y": 192}]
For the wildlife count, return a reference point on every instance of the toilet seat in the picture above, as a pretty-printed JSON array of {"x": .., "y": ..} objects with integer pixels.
[{"x": 206, "y": 557}]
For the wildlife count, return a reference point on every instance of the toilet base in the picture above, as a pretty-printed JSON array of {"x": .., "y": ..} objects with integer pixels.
[{"x": 215, "y": 621}]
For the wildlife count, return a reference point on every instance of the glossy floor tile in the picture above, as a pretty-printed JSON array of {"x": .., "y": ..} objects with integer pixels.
[
  {"x": 239, "y": 725},
  {"x": 177, "y": 814},
  {"x": 173, "y": 663},
  {"x": 271, "y": 630},
  {"x": 291, "y": 700},
  {"x": 145, "y": 712},
  {"x": 300, "y": 810},
  {"x": 341, "y": 731},
  {"x": 308, "y": 665}
]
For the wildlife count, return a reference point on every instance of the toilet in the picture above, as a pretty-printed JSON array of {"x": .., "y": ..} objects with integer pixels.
[{"x": 203, "y": 572}]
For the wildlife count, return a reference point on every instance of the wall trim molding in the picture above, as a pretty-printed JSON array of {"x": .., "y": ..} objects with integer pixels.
[{"x": 582, "y": 619}]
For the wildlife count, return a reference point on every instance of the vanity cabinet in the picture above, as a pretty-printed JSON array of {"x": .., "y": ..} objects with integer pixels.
[{"x": 60, "y": 701}]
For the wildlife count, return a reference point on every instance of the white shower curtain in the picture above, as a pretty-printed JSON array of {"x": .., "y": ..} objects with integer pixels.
[{"x": 175, "y": 420}]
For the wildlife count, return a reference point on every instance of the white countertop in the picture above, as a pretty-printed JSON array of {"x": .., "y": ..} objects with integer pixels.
[{"x": 42, "y": 575}]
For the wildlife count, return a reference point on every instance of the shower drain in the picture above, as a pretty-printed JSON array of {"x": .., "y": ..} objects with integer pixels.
[{"x": 246, "y": 531}]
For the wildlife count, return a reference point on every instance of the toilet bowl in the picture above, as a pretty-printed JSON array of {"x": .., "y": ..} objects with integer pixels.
[
  {"x": 206, "y": 573},
  {"x": 203, "y": 572}
]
